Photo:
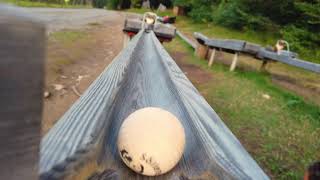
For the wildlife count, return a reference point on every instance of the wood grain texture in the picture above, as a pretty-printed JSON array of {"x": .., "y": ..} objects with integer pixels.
[
  {"x": 251, "y": 48},
  {"x": 227, "y": 44},
  {"x": 144, "y": 75},
  {"x": 22, "y": 54}
]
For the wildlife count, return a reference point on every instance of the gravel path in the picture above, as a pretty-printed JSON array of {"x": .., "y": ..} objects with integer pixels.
[{"x": 57, "y": 19}]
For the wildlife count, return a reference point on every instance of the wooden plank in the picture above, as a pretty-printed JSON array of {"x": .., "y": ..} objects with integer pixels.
[
  {"x": 257, "y": 51},
  {"x": 228, "y": 44},
  {"x": 251, "y": 48},
  {"x": 202, "y": 39},
  {"x": 145, "y": 75},
  {"x": 265, "y": 54},
  {"x": 22, "y": 55},
  {"x": 161, "y": 30},
  {"x": 187, "y": 40},
  {"x": 234, "y": 62},
  {"x": 213, "y": 53}
]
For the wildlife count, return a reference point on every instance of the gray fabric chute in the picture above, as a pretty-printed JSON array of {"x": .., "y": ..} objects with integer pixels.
[{"x": 143, "y": 75}]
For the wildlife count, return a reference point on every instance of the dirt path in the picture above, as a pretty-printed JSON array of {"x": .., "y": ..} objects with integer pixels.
[
  {"x": 75, "y": 59},
  {"x": 58, "y": 18}
]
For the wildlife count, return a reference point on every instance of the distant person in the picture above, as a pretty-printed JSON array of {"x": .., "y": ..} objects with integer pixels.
[{"x": 313, "y": 172}]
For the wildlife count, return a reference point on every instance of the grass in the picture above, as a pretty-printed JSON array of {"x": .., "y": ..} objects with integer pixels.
[
  {"x": 68, "y": 36},
  {"x": 66, "y": 41},
  {"x": 281, "y": 133},
  {"x": 25, "y": 3}
]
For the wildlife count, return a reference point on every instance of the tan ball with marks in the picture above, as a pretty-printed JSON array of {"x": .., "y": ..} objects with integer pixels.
[{"x": 151, "y": 141}]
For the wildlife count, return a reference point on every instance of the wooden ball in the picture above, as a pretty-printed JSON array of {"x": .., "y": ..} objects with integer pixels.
[{"x": 151, "y": 141}]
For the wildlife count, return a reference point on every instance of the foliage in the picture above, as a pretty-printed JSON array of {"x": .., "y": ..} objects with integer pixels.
[
  {"x": 99, "y": 3},
  {"x": 228, "y": 14},
  {"x": 112, "y": 4},
  {"x": 303, "y": 41},
  {"x": 297, "y": 21},
  {"x": 182, "y": 3},
  {"x": 167, "y": 3},
  {"x": 136, "y": 3},
  {"x": 309, "y": 15},
  {"x": 201, "y": 12}
]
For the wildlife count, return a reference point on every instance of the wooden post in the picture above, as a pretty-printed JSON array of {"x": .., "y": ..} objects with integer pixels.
[
  {"x": 201, "y": 51},
  {"x": 263, "y": 65},
  {"x": 213, "y": 53},
  {"x": 126, "y": 39},
  {"x": 178, "y": 10},
  {"x": 22, "y": 55},
  {"x": 234, "y": 61}
]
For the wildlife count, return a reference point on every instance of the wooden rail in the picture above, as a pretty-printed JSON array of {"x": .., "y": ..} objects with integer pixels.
[
  {"x": 187, "y": 40},
  {"x": 238, "y": 46}
]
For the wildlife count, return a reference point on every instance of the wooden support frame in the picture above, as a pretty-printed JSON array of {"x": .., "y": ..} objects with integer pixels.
[
  {"x": 234, "y": 61},
  {"x": 213, "y": 53}
]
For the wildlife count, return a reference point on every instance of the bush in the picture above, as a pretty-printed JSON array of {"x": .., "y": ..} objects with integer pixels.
[
  {"x": 99, "y": 3},
  {"x": 182, "y": 3},
  {"x": 201, "y": 13},
  {"x": 304, "y": 42},
  {"x": 136, "y": 3},
  {"x": 228, "y": 14},
  {"x": 113, "y": 4}
]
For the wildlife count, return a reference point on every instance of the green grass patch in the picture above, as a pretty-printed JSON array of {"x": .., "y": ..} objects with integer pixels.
[
  {"x": 24, "y": 3},
  {"x": 68, "y": 36},
  {"x": 281, "y": 133}
]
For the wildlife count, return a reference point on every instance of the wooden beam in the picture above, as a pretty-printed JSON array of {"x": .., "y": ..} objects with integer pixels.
[
  {"x": 213, "y": 53},
  {"x": 234, "y": 61},
  {"x": 22, "y": 55}
]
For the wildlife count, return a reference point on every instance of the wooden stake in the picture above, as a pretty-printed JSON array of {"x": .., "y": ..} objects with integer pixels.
[
  {"x": 213, "y": 53},
  {"x": 263, "y": 65},
  {"x": 234, "y": 61}
]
